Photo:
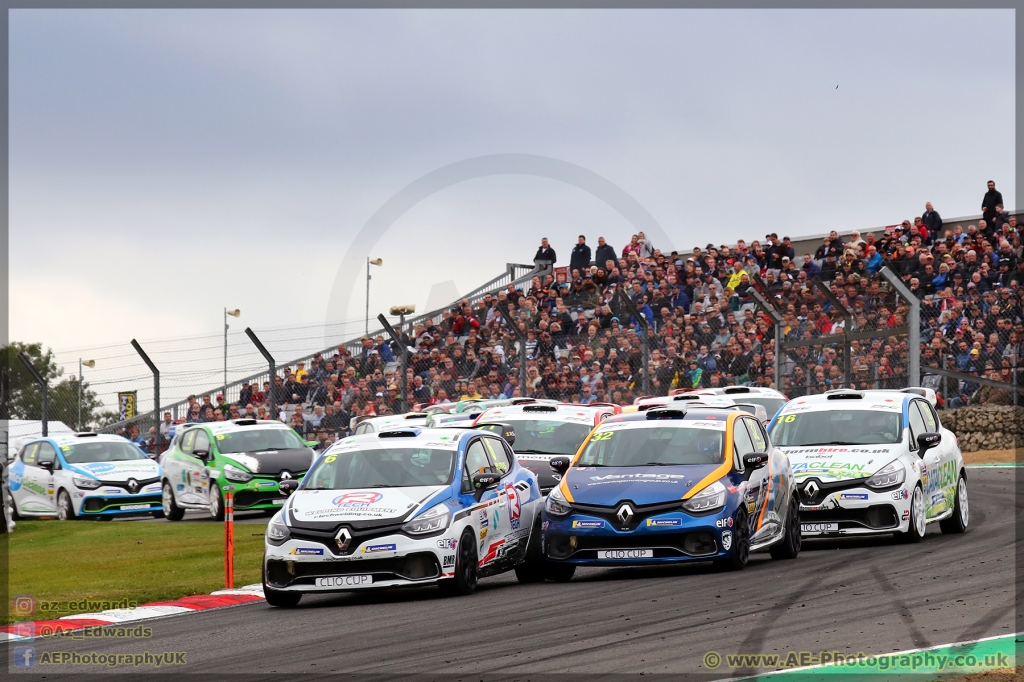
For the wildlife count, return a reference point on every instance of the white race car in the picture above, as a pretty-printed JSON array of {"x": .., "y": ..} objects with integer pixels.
[
  {"x": 391, "y": 421},
  {"x": 770, "y": 399},
  {"x": 873, "y": 462},
  {"x": 84, "y": 475},
  {"x": 403, "y": 508}
]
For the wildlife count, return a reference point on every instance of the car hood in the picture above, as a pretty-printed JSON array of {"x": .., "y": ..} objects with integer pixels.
[
  {"x": 359, "y": 504},
  {"x": 642, "y": 485},
  {"x": 830, "y": 463},
  {"x": 273, "y": 462},
  {"x": 118, "y": 471}
]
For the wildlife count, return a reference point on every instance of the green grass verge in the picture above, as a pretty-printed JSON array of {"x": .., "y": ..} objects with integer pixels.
[{"x": 141, "y": 562}]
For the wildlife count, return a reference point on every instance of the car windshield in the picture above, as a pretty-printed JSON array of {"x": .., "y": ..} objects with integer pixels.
[
  {"x": 770, "y": 405},
  {"x": 548, "y": 437},
  {"x": 654, "y": 446},
  {"x": 837, "y": 427},
  {"x": 258, "y": 439},
  {"x": 392, "y": 467},
  {"x": 100, "y": 451}
]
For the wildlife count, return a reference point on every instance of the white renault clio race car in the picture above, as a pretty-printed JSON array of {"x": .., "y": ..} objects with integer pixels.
[
  {"x": 84, "y": 475},
  {"x": 873, "y": 462},
  {"x": 403, "y": 508}
]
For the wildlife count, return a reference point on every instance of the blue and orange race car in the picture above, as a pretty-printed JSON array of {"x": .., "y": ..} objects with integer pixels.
[{"x": 671, "y": 484}]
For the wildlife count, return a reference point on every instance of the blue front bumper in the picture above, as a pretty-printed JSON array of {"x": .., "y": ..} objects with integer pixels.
[{"x": 590, "y": 540}]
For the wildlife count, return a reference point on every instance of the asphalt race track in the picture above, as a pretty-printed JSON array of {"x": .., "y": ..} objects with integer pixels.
[{"x": 874, "y": 596}]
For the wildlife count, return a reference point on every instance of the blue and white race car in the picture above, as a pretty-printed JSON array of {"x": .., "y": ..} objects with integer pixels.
[
  {"x": 671, "y": 484},
  {"x": 84, "y": 475},
  {"x": 873, "y": 462},
  {"x": 406, "y": 507}
]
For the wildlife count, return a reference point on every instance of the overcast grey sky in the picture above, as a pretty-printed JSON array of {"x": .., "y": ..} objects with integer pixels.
[{"x": 167, "y": 163}]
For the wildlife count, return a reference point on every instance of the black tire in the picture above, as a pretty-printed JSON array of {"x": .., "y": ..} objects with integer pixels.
[
  {"x": 65, "y": 507},
  {"x": 158, "y": 514},
  {"x": 467, "y": 568},
  {"x": 171, "y": 510},
  {"x": 216, "y": 502},
  {"x": 918, "y": 523},
  {"x": 789, "y": 546},
  {"x": 559, "y": 573},
  {"x": 740, "y": 552},
  {"x": 282, "y": 600},
  {"x": 531, "y": 570},
  {"x": 957, "y": 523}
]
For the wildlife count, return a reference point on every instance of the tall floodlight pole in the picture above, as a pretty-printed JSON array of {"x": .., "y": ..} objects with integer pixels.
[
  {"x": 378, "y": 262},
  {"x": 233, "y": 313},
  {"x": 82, "y": 363}
]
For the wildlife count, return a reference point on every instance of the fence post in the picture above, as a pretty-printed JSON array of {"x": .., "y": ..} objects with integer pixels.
[
  {"x": 913, "y": 324},
  {"x": 397, "y": 338},
  {"x": 273, "y": 367},
  {"x": 44, "y": 389},
  {"x": 229, "y": 538},
  {"x": 773, "y": 314},
  {"x": 645, "y": 351},
  {"x": 156, "y": 392},
  {"x": 522, "y": 349},
  {"x": 847, "y": 328}
]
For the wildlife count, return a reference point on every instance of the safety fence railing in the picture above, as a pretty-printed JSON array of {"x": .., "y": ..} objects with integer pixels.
[{"x": 515, "y": 274}]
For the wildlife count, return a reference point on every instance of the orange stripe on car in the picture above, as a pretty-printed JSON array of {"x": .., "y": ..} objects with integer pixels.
[{"x": 726, "y": 465}]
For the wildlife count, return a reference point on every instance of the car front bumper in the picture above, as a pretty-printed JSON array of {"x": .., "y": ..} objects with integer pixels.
[
  {"x": 857, "y": 511},
  {"x": 394, "y": 560},
  {"x": 588, "y": 540},
  {"x": 109, "y": 501}
]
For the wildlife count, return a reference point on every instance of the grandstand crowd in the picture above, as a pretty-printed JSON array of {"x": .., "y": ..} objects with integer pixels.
[{"x": 705, "y": 328}]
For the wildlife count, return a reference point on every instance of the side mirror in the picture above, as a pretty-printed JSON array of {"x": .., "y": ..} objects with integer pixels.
[
  {"x": 483, "y": 482},
  {"x": 312, "y": 443},
  {"x": 754, "y": 460},
  {"x": 48, "y": 465},
  {"x": 927, "y": 441},
  {"x": 288, "y": 487},
  {"x": 201, "y": 454},
  {"x": 560, "y": 464}
]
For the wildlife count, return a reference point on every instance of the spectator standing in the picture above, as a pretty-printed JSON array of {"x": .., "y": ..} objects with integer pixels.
[
  {"x": 580, "y": 258},
  {"x": 646, "y": 247},
  {"x": 993, "y": 198},
  {"x": 604, "y": 254},
  {"x": 545, "y": 252},
  {"x": 932, "y": 220}
]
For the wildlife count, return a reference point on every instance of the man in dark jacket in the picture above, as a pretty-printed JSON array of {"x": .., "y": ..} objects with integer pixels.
[
  {"x": 545, "y": 252},
  {"x": 604, "y": 253},
  {"x": 932, "y": 220},
  {"x": 580, "y": 258},
  {"x": 992, "y": 199}
]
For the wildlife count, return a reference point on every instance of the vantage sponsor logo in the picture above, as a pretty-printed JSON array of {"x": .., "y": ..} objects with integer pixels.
[{"x": 671, "y": 478}]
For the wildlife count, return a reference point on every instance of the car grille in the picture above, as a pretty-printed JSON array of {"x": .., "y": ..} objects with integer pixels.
[
  {"x": 95, "y": 504},
  {"x": 251, "y": 498},
  {"x": 876, "y": 517},
  {"x": 359, "y": 535},
  {"x": 665, "y": 545},
  {"x": 640, "y": 513},
  {"x": 417, "y": 566},
  {"x": 123, "y": 485},
  {"x": 823, "y": 490}
]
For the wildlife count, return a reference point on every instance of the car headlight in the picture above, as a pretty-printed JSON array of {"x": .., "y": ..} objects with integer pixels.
[
  {"x": 433, "y": 519},
  {"x": 85, "y": 483},
  {"x": 891, "y": 474},
  {"x": 556, "y": 504},
  {"x": 277, "y": 531},
  {"x": 709, "y": 499},
  {"x": 235, "y": 474}
]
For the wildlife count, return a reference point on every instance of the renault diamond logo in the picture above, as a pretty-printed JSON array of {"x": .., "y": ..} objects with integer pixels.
[
  {"x": 285, "y": 475},
  {"x": 811, "y": 489},
  {"x": 343, "y": 538},
  {"x": 133, "y": 486},
  {"x": 624, "y": 514}
]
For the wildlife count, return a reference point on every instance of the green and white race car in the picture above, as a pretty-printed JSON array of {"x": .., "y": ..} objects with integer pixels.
[{"x": 248, "y": 457}]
